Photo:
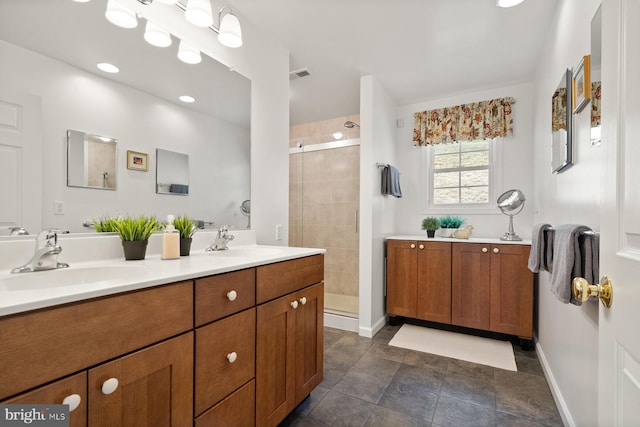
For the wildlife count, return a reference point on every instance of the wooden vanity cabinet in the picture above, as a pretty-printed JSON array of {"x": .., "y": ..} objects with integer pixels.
[
  {"x": 419, "y": 280},
  {"x": 474, "y": 285},
  {"x": 289, "y": 343}
]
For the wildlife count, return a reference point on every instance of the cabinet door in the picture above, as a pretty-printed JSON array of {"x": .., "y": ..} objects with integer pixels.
[
  {"x": 236, "y": 410},
  {"x": 56, "y": 392},
  {"x": 275, "y": 360},
  {"x": 309, "y": 340},
  {"x": 155, "y": 387},
  {"x": 402, "y": 276},
  {"x": 434, "y": 281},
  {"x": 470, "y": 285},
  {"x": 511, "y": 291}
]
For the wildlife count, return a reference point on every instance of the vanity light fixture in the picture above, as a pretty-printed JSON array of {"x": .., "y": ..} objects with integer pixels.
[
  {"x": 230, "y": 33},
  {"x": 508, "y": 3},
  {"x": 108, "y": 68},
  {"x": 187, "y": 99},
  {"x": 156, "y": 36},
  {"x": 198, "y": 13},
  {"x": 120, "y": 15},
  {"x": 188, "y": 54}
]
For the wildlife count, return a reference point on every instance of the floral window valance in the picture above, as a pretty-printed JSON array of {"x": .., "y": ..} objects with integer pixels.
[
  {"x": 596, "y": 88},
  {"x": 478, "y": 120}
]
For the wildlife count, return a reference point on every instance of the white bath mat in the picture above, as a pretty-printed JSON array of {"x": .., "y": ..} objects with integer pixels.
[{"x": 485, "y": 351}]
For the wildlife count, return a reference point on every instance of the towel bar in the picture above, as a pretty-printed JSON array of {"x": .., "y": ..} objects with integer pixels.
[{"x": 584, "y": 233}]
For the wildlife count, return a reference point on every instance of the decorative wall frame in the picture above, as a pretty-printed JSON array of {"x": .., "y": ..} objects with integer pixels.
[
  {"x": 137, "y": 161},
  {"x": 581, "y": 83}
]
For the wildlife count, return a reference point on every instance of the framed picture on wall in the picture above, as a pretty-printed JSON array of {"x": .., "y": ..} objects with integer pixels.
[
  {"x": 137, "y": 161},
  {"x": 582, "y": 84}
]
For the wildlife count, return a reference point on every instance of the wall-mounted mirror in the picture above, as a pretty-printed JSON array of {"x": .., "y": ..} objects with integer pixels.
[
  {"x": 41, "y": 57},
  {"x": 91, "y": 161},
  {"x": 596, "y": 76},
  {"x": 561, "y": 125},
  {"x": 172, "y": 173}
]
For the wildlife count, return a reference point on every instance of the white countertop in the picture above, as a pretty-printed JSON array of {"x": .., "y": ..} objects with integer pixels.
[
  {"x": 146, "y": 273},
  {"x": 489, "y": 240}
]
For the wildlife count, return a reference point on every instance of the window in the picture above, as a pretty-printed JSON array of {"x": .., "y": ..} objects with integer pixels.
[{"x": 461, "y": 174}]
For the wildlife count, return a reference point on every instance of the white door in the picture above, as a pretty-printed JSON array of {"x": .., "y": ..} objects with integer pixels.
[
  {"x": 20, "y": 160},
  {"x": 619, "y": 326}
]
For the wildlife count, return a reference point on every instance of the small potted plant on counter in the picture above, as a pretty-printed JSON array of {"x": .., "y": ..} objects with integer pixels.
[
  {"x": 135, "y": 233},
  {"x": 430, "y": 224},
  {"x": 187, "y": 228},
  {"x": 106, "y": 224},
  {"x": 449, "y": 224}
]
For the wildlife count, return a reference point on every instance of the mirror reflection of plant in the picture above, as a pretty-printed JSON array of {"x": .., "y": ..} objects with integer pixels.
[
  {"x": 106, "y": 224},
  {"x": 450, "y": 221},
  {"x": 137, "y": 228},
  {"x": 186, "y": 226}
]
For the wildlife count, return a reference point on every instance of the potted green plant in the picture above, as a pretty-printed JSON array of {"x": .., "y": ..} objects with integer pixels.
[
  {"x": 135, "y": 233},
  {"x": 187, "y": 228},
  {"x": 430, "y": 224},
  {"x": 449, "y": 224}
]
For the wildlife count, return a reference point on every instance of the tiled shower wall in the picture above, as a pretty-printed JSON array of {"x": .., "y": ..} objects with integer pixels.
[{"x": 324, "y": 201}]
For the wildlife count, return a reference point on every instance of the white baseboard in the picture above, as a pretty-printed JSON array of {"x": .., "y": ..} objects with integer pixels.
[
  {"x": 370, "y": 332},
  {"x": 567, "y": 419},
  {"x": 341, "y": 322}
]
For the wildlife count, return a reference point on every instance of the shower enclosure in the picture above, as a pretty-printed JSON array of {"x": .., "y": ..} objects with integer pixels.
[{"x": 324, "y": 188}]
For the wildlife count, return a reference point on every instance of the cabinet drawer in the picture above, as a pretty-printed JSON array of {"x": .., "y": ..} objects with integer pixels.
[
  {"x": 55, "y": 393},
  {"x": 236, "y": 410},
  {"x": 216, "y": 375},
  {"x": 276, "y": 280},
  {"x": 41, "y": 346},
  {"x": 214, "y": 298}
]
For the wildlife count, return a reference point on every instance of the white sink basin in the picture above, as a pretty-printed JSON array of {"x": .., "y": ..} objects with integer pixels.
[
  {"x": 246, "y": 252},
  {"x": 68, "y": 277}
]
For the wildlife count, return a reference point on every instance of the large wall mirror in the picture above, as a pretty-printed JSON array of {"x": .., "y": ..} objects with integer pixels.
[
  {"x": 91, "y": 160},
  {"x": 561, "y": 125},
  {"x": 43, "y": 58},
  {"x": 596, "y": 77}
]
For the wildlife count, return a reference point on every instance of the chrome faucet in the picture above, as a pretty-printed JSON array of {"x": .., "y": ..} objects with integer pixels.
[
  {"x": 221, "y": 240},
  {"x": 46, "y": 254},
  {"x": 18, "y": 231}
]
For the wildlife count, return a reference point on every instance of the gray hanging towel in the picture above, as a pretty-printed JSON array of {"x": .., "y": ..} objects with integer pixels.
[
  {"x": 391, "y": 181},
  {"x": 567, "y": 261}
]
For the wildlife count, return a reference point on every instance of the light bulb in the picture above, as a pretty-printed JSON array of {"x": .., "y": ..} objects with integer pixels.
[
  {"x": 230, "y": 34},
  {"x": 198, "y": 13},
  {"x": 156, "y": 36},
  {"x": 120, "y": 15},
  {"x": 188, "y": 54}
]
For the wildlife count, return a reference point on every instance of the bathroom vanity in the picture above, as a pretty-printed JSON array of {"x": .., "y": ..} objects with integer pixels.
[
  {"x": 477, "y": 283},
  {"x": 222, "y": 339}
]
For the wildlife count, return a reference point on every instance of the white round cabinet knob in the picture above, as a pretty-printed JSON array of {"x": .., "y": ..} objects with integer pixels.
[
  {"x": 421, "y": 247},
  {"x": 109, "y": 386},
  {"x": 485, "y": 250},
  {"x": 232, "y": 295},
  {"x": 496, "y": 250},
  {"x": 303, "y": 300},
  {"x": 413, "y": 246},
  {"x": 73, "y": 401},
  {"x": 231, "y": 357},
  {"x": 294, "y": 304}
]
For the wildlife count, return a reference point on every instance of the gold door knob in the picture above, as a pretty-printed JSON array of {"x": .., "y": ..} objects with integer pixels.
[{"x": 582, "y": 290}]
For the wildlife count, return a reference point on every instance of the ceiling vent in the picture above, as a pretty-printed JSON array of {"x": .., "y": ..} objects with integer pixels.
[{"x": 297, "y": 74}]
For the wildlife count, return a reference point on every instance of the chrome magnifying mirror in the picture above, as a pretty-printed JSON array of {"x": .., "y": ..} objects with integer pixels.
[
  {"x": 511, "y": 203},
  {"x": 245, "y": 208}
]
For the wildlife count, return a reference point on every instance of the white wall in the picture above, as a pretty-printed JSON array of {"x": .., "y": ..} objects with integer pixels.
[
  {"x": 377, "y": 212},
  {"x": 515, "y": 165},
  {"x": 75, "y": 99},
  {"x": 567, "y": 334}
]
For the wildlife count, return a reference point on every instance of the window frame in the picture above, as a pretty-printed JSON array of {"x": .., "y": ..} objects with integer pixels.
[{"x": 495, "y": 182}]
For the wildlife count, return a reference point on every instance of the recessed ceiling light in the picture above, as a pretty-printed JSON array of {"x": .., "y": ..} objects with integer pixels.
[
  {"x": 82, "y": 1},
  {"x": 186, "y": 98},
  {"x": 108, "y": 68},
  {"x": 508, "y": 3}
]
